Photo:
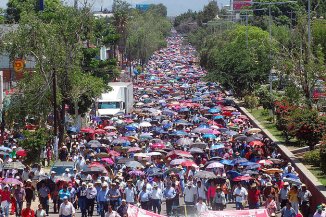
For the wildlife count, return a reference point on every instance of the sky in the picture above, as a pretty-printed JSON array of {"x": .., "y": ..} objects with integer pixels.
[{"x": 174, "y": 7}]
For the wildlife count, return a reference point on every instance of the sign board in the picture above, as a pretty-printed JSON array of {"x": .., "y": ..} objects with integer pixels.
[
  {"x": 239, "y": 4},
  {"x": 236, "y": 213},
  {"x": 134, "y": 211},
  {"x": 19, "y": 65},
  {"x": 142, "y": 7}
]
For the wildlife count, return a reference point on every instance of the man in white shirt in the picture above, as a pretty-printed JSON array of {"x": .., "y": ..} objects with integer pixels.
[
  {"x": 66, "y": 208},
  {"x": 189, "y": 194},
  {"x": 156, "y": 195},
  {"x": 240, "y": 194},
  {"x": 201, "y": 190},
  {"x": 66, "y": 173},
  {"x": 201, "y": 206},
  {"x": 130, "y": 193}
]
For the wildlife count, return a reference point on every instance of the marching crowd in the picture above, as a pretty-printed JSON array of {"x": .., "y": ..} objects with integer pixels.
[{"x": 184, "y": 143}]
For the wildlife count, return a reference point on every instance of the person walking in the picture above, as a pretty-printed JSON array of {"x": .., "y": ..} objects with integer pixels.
[
  {"x": 102, "y": 199},
  {"x": 130, "y": 193},
  {"x": 143, "y": 198},
  {"x": 111, "y": 212},
  {"x": 304, "y": 200},
  {"x": 283, "y": 194},
  {"x": 156, "y": 196},
  {"x": 270, "y": 205},
  {"x": 44, "y": 197},
  {"x": 219, "y": 200},
  {"x": 27, "y": 212},
  {"x": 240, "y": 194},
  {"x": 254, "y": 197},
  {"x": 288, "y": 211},
  {"x": 189, "y": 194},
  {"x": 40, "y": 212},
  {"x": 169, "y": 194},
  {"x": 19, "y": 195},
  {"x": 90, "y": 199},
  {"x": 294, "y": 199},
  {"x": 81, "y": 195},
  {"x": 66, "y": 209},
  {"x": 5, "y": 200}
]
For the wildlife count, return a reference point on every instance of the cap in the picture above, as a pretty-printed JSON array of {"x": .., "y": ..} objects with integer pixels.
[
  {"x": 105, "y": 184},
  {"x": 254, "y": 185},
  {"x": 14, "y": 147},
  {"x": 90, "y": 185},
  {"x": 83, "y": 183},
  {"x": 303, "y": 185},
  {"x": 286, "y": 183},
  {"x": 65, "y": 198},
  {"x": 67, "y": 170},
  {"x": 273, "y": 214},
  {"x": 268, "y": 184},
  {"x": 98, "y": 182},
  {"x": 289, "y": 164},
  {"x": 53, "y": 172},
  {"x": 155, "y": 185},
  {"x": 123, "y": 200},
  {"x": 28, "y": 180}
]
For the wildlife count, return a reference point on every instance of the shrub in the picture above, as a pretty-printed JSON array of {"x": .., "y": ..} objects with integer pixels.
[
  {"x": 312, "y": 157},
  {"x": 322, "y": 154},
  {"x": 250, "y": 102}
]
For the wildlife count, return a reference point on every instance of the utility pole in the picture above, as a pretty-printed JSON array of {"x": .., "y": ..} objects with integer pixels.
[
  {"x": 76, "y": 4},
  {"x": 309, "y": 29},
  {"x": 55, "y": 114},
  {"x": 129, "y": 58}
]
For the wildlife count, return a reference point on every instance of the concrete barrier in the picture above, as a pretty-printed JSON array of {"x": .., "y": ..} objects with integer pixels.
[{"x": 317, "y": 190}]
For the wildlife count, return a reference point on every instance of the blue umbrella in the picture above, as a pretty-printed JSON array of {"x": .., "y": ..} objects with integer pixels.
[
  {"x": 231, "y": 133},
  {"x": 252, "y": 166},
  {"x": 131, "y": 128},
  {"x": 184, "y": 110},
  {"x": 214, "y": 110},
  {"x": 290, "y": 175},
  {"x": 217, "y": 117},
  {"x": 227, "y": 162},
  {"x": 214, "y": 147},
  {"x": 209, "y": 136},
  {"x": 233, "y": 174},
  {"x": 130, "y": 133},
  {"x": 293, "y": 181},
  {"x": 180, "y": 133},
  {"x": 203, "y": 126},
  {"x": 72, "y": 129},
  {"x": 196, "y": 99},
  {"x": 239, "y": 160}
]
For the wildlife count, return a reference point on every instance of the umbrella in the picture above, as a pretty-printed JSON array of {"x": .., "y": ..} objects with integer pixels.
[
  {"x": 184, "y": 141},
  {"x": 154, "y": 153},
  {"x": 189, "y": 163},
  {"x": 108, "y": 160},
  {"x": 110, "y": 128},
  {"x": 2, "y": 148},
  {"x": 145, "y": 124},
  {"x": 276, "y": 160},
  {"x": 265, "y": 162},
  {"x": 217, "y": 117},
  {"x": 142, "y": 155},
  {"x": 201, "y": 145},
  {"x": 11, "y": 181},
  {"x": 131, "y": 127},
  {"x": 153, "y": 170},
  {"x": 249, "y": 172},
  {"x": 177, "y": 161},
  {"x": 100, "y": 131},
  {"x": 14, "y": 165},
  {"x": 94, "y": 143},
  {"x": 180, "y": 133},
  {"x": 124, "y": 160},
  {"x": 21, "y": 153},
  {"x": 242, "y": 178},
  {"x": 293, "y": 181},
  {"x": 102, "y": 155},
  {"x": 114, "y": 153},
  {"x": 205, "y": 175},
  {"x": 195, "y": 150},
  {"x": 272, "y": 170},
  {"x": 214, "y": 110},
  {"x": 240, "y": 138},
  {"x": 215, "y": 165},
  {"x": 134, "y": 164},
  {"x": 94, "y": 170},
  {"x": 256, "y": 143},
  {"x": 157, "y": 145},
  {"x": 290, "y": 175},
  {"x": 239, "y": 160},
  {"x": 253, "y": 130},
  {"x": 87, "y": 130},
  {"x": 179, "y": 153},
  {"x": 252, "y": 166},
  {"x": 209, "y": 136},
  {"x": 214, "y": 147},
  {"x": 136, "y": 173},
  {"x": 233, "y": 173},
  {"x": 134, "y": 149},
  {"x": 227, "y": 162}
]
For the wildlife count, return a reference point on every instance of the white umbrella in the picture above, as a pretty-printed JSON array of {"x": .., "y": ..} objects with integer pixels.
[
  {"x": 215, "y": 165},
  {"x": 145, "y": 124}
]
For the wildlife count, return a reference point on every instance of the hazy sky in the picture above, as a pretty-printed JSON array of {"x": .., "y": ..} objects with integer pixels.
[{"x": 174, "y": 7}]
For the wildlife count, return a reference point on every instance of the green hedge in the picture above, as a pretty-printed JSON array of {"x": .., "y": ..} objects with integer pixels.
[{"x": 312, "y": 157}]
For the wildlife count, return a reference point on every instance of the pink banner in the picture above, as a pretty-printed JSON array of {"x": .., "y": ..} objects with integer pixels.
[
  {"x": 236, "y": 213},
  {"x": 134, "y": 211}
]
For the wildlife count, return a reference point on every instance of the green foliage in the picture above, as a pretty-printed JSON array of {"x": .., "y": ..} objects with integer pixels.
[
  {"x": 266, "y": 98},
  {"x": 312, "y": 157},
  {"x": 250, "y": 102},
  {"x": 237, "y": 67},
  {"x": 33, "y": 143},
  {"x": 146, "y": 34},
  {"x": 209, "y": 13},
  {"x": 319, "y": 35},
  {"x": 323, "y": 154},
  {"x": 158, "y": 9},
  {"x": 186, "y": 22}
]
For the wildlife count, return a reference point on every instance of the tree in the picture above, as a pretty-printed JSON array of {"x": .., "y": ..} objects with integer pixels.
[
  {"x": 237, "y": 66},
  {"x": 186, "y": 22},
  {"x": 266, "y": 98},
  {"x": 282, "y": 110},
  {"x": 209, "y": 13},
  {"x": 158, "y": 9},
  {"x": 307, "y": 126},
  {"x": 56, "y": 44}
]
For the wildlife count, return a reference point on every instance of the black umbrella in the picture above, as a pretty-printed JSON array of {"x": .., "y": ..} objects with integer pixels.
[
  {"x": 241, "y": 138},
  {"x": 48, "y": 182},
  {"x": 201, "y": 145},
  {"x": 195, "y": 150}
]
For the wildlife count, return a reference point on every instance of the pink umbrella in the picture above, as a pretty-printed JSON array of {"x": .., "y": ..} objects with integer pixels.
[
  {"x": 189, "y": 163},
  {"x": 114, "y": 153},
  {"x": 11, "y": 181},
  {"x": 158, "y": 146},
  {"x": 215, "y": 165},
  {"x": 134, "y": 149},
  {"x": 111, "y": 134},
  {"x": 242, "y": 178},
  {"x": 108, "y": 160},
  {"x": 100, "y": 131},
  {"x": 128, "y": 121}
]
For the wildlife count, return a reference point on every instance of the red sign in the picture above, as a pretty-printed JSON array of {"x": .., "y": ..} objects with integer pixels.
[
  {"x": 19, "y": 65},
  {"x": 238, "y": 5},
  {"x": 236, "y": 213}
]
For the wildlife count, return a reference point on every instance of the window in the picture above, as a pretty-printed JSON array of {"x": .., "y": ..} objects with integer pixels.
[{"x": 109, "y": 105}]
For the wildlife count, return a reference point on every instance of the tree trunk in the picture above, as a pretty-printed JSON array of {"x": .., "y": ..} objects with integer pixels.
[{"x": 62, "y": 122}]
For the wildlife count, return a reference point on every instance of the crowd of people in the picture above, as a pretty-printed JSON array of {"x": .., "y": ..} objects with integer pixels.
[{"x": 184, "y": 143}]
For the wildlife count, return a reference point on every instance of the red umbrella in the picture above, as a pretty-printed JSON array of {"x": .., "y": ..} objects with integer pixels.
[
  {"x": 256, "y": 143},
  {"x": 180, "y": 153},
  {"x": 21, "y": 153},
  {"x": 158, "y": 146},
  {"x": 100, "y": 131},
  {"x": 108, "y": 160},
  {"x": 265, "y": 162},
  {"x": 87, "y": 130},
  {"x": 189, "y": 163},
  {"x": 242, "y": 178}
]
